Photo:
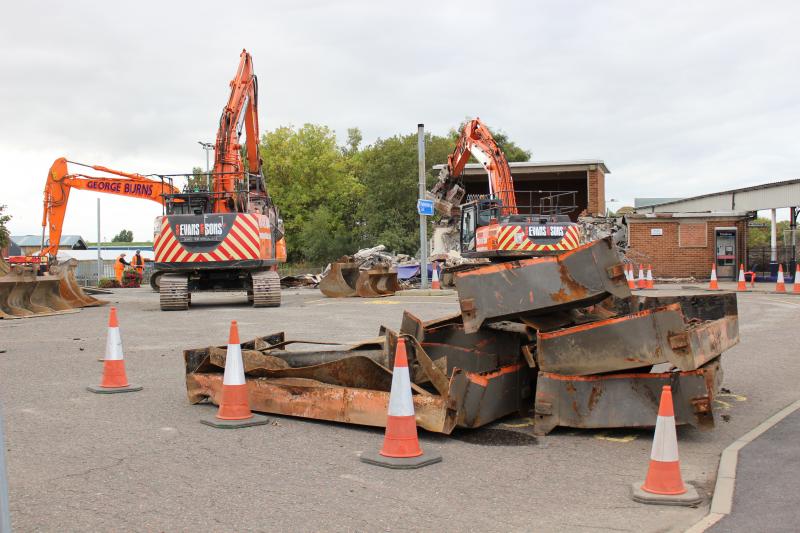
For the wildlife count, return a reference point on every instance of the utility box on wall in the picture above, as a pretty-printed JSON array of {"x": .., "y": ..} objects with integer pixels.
[{"x": 725, "y": 245}]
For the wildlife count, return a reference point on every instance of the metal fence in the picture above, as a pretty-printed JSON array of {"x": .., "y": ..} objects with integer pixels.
[
  {"x": 759, "y": 259},
  {"x": 86, "y": 272}
]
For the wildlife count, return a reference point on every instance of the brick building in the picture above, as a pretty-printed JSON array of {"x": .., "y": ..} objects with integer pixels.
[
  {"x": 682, "y": 245},
  {"x": 586, "y": 177}
]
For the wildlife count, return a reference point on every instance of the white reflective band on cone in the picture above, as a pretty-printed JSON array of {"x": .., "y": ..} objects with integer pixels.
[
  {"x": 665, "y": 441},
  {"x": 114, "y": 345},
  {"x": 234, "y": 369},
  {"x": 400, "y": 403}
]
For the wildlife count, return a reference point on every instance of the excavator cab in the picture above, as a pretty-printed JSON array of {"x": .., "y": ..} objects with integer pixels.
[{"x": 477, "y": 214}]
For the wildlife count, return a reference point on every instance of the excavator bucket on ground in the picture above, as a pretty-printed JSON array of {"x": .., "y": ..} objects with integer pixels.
[
  {"x": 69, "y": 288},
  {"x": 344, "y": 279},
  {"x": 340, "y": 281},
  {"x": 23, "y": 293}
]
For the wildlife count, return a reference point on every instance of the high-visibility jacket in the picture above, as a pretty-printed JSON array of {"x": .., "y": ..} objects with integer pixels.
[
  {"x": 137, "y": 262},
  {"x": 119, "y": 267}
]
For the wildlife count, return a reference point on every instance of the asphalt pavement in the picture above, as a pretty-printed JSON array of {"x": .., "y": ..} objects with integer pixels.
[
  {"x": 767, "y": 490},
  {"x": 142, "y": 461}
]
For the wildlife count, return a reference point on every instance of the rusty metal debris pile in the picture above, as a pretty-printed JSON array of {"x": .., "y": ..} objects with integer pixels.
[
  {"x": 560, "y": 337},
  {"x": 25, "y": 293}
]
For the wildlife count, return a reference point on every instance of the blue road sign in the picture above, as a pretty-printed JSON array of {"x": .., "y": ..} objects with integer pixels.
[{"x": 425, "y": 207}]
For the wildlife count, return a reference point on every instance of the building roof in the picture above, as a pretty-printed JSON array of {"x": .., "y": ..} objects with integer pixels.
[
  {"x": 543, "y": 166},
  {"x": 105, "y": 254},
  {"x": 67, "y": 241},
  {"x": 772, "y": 195},
  {"x": 654, "y": 217},
  {"x": 644, "y": 202}
]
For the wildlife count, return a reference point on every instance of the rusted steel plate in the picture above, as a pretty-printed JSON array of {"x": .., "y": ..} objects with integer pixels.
[
  {"x": 308, "y": 398},
  {"x": 577, "y": 278},
  {"x": 355, "y": 388},
  {"x": 483, "y": 397},
  {"x": 640, "y": 339},
  {"x": 450, "y": 347},
  {"x": 624, "y": 400},
  {"x": 701, "y": 305},
  {"x": 259, "y": 353},
  {"x": 340, "y": 281}
]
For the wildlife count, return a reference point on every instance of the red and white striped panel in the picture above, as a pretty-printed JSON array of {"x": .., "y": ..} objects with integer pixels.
[
  {"x": 242, "y": 242},
  {"x": 515, "y": 238}
]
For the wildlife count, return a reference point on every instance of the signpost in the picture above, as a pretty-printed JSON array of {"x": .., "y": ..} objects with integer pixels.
[
  {"x": 425, "y": 207},
  {"x": 423, "y": 223}
]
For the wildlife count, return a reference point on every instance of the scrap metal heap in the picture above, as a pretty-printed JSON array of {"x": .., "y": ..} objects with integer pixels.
[
  {"x": 26, "y": 292},
  {"x": 562, "y": 337}
]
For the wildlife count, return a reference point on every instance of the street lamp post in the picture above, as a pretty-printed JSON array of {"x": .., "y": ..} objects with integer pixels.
[{"x": 207, "y": 147}]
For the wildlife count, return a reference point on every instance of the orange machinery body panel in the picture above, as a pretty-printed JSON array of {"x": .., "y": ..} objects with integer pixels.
[{"x": 208, "y": 241}]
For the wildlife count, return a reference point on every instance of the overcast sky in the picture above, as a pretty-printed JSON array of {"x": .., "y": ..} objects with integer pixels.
[{"x": 677, "y": 98}]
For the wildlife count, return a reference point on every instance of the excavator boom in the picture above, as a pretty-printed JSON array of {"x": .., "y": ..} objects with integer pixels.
[
  {"x": 60, "y": 182},
  {"x": 476, "y": 141},
  {"x": 241, "y": 112}
]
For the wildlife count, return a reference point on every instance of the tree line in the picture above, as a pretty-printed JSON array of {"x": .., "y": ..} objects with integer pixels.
[{"x": 336, "y": 199}]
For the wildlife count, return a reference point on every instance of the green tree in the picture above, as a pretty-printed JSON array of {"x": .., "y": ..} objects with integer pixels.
[
  {"x": 123, "y": 236},
  {"x": 758, "y": 234},
  {"x": 5, "y": 236},
  {"x": 306, "y": 172},
  {"x": 198, "y": 180},
  {"x": 388, "y": 170},
  {"x": 512, "y": 151},
  {"x": 354, "y": 138}
]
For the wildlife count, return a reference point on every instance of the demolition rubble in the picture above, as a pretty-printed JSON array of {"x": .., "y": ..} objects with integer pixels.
[{"x": 561, "y": 337}]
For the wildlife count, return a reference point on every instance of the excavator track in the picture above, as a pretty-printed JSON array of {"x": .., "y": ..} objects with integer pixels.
[
  {"x": 266, "y": 289},
  {"x": 174, "y": 292}
]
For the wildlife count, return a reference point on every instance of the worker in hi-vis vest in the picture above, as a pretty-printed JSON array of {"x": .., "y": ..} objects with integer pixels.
[
  {"x": 137, "y": 262},
  {"x": 119, "y": 267}
]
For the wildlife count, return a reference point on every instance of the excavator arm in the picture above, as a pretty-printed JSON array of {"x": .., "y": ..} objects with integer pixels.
[
  {"x": 241, "y": 112},
  {"x": 60, "y": 182},
  {"x": 476, "y": 141}
]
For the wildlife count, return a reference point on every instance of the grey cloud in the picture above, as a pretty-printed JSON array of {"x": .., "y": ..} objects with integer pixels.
[{"x": 678, "y": 98}]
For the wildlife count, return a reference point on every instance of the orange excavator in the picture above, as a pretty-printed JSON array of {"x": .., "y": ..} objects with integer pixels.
[
  {"x": 495, "y": 225},
  {"x": 60, "y": 182},
  {"x": 229, "y": 237},
  {"x": 37, "y": 285}
]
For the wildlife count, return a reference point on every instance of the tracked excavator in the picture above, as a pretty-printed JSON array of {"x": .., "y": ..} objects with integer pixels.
[
  {"x": 498, "y": 226},
  {"x": 230, "y": 236},
  {"x": 39, "y": 285}
]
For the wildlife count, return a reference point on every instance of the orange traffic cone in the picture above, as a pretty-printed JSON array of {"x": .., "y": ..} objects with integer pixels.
[
  {"x": 649, "y": 280},
  {"x": 401, "y": 447},
  {"x": 741, "y": 286},
  {"x": 713, "y": 285},
  {"x": 663, "y": 483},
  {"x": 780, "y": 286},
  {"x": 114, "y": 377},
  {"x": 796, "y": 284},
  {"x": 641, "y": 283},
  {"x": 435, "y": 285},
  {"x": 629, "y": 276},
  {"x": 234, "y": 405}
]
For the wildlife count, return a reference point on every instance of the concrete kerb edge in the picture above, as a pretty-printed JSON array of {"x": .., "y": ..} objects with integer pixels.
[{"x": 722, "y": 501}]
